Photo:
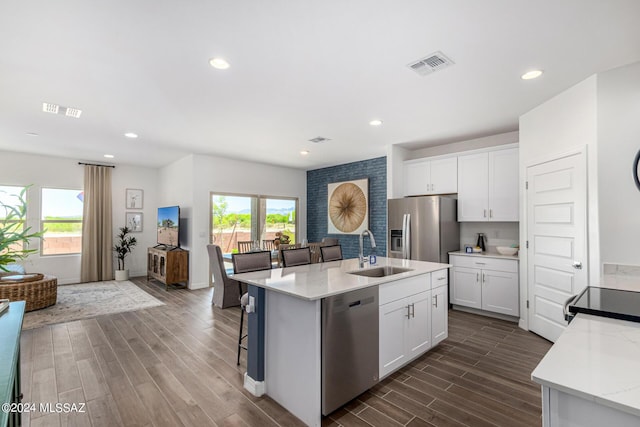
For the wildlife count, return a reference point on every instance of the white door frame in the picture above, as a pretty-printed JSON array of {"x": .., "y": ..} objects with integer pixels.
[{"x": 524, "y": 229}]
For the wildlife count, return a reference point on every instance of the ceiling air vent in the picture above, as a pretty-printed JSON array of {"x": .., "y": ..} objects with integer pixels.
[
  {"x": 431, "y": 63},
  {"x": 58, "y": 109},
  {"x": 319, "y": 139}
]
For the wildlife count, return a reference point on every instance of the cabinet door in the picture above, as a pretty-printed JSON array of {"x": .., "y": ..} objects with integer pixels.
[
  {"x": 418, "y": 338},
  {"x": 444, "y": 176},
  {"x": 500, "y": 292},
  {"x": 466, "y": 288},
  {"x": 416, "y": 178},
  {"x": 503, "y": 185},
  {"x": 439, "y": 315},
  {"x": 473, "y": 187},
  {"x": 393, "y": 317}
]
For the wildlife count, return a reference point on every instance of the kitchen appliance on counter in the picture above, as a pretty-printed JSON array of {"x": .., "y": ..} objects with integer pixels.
[
  {"x": 423, "y": 228},
  {"x": 605, "y": 302}
]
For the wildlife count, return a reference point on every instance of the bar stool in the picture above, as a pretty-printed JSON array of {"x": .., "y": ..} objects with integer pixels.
[{"x": 245, "y": 263}]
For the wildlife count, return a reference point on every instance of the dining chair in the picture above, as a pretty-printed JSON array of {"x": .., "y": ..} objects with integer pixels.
[
  {"x": 268, "y": 245},
  {"x": 224, "y": 288},
  {"x": 245, "y": 246},
  {"x": 293, "y": 257},
  {"x": 283, "y": 247},
  {"x": 245, "y": 263},
  {"x": 331, "y": 253},
  {"x": 329, "y": 241}
]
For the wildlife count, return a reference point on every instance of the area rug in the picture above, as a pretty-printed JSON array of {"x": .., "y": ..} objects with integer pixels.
[{"x": 86, "y": 300}]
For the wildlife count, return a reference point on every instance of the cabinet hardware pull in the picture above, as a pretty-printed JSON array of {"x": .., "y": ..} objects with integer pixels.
[
  {"x": 483, "y": 279},
  {"x": 490, "y": 213},
  {"x": 477, "y": 277},
  {"x": 485, "y": 213},
  {"x": 436, "y": 299},
  {"x": 413, "y": 310},
  {"x": 441, "y": 278},
  {"x": 408, "y": 312},
  {"x": 480, "y": 263}
]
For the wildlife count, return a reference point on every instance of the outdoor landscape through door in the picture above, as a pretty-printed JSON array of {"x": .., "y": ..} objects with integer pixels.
[{"x": 557, "y": 261}]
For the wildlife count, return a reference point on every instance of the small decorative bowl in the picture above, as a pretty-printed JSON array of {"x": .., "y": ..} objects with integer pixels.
[{"x": 506, "y": 250}]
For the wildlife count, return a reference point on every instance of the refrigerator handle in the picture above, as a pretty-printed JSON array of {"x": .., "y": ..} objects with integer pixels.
[
  {"x": 404, "y": 233},
  {"x": 408, "y": 238}
]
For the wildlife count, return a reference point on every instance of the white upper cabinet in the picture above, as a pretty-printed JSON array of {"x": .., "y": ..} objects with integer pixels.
[
  {"x": 437, "y": 176},
  {"x": 488, "y": 186}
]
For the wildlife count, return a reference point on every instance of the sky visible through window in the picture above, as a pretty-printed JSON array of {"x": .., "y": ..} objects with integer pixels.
[
  {"x": 61, "y": 203},
  {"x": 237, "y": 204}
]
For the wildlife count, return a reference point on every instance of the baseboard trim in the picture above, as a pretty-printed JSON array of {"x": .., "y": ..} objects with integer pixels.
[
  {"x": 486, "y": 313},
  {"x": 257, "y": 388}
]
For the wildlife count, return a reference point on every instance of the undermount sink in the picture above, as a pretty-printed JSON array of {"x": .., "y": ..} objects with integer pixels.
[{"x": 380, "y": 271}]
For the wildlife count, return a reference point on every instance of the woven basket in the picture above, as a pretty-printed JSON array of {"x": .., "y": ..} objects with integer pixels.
[{"x": 37, "y": 294}]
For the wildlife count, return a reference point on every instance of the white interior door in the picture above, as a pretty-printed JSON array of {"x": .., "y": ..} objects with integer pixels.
[{"x": 556, "y": 231}]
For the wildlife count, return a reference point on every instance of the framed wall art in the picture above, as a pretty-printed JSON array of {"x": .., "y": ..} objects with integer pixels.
[
  {"x": 348, "y": 207},
  {"x": 134, "y": 198},
  {"x": 134, "y": 221}
]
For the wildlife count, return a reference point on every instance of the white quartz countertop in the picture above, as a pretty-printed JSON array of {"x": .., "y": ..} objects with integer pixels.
[
  {"x": 485, "y": 255},
  {"x": 321, "y": 280},
  {"x": 597, "y": 359}
]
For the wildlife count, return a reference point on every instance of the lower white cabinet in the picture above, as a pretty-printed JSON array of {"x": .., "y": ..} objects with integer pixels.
[
  {"x": 413, "y": 318},
  {"x": 439, "y": 314},
  {"x": 485, "y": 283}
]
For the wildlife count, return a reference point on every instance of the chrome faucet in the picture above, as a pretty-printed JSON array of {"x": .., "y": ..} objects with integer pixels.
[{"x": 371, "y": 240}]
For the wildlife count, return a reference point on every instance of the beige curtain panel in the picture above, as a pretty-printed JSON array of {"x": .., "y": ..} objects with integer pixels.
[{"x": 97, "y": 235}]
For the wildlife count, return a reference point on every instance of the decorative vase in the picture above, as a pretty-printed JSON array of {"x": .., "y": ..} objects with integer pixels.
[{"x": 122, "y": 275}]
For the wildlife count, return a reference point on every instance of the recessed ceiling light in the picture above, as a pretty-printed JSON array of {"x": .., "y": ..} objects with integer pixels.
[
  {"x": 219, "y": 63},
  {"x": 31, "y": 134},
  {"x": 534, "y": 74},
  {"x": 109, "y": 156},
  {"x": 304, "y": 152},
  {"x": 375, "y": 122},
  {"x": 131, "y": 135}
]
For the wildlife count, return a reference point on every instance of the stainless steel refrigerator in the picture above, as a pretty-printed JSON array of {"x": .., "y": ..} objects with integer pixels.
[{"x": 423, "y": 228}]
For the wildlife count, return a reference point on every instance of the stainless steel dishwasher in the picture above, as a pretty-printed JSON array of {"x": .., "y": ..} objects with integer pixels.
[{"x": 349, "y": 346}]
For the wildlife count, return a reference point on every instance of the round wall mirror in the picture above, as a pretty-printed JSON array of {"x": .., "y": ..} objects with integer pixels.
[{"x": 636, "y": 171}]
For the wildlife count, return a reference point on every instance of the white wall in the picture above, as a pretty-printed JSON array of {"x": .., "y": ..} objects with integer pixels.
[
  {"x": 618, "y": 143},
  {"x": 471, "y": 144},
  {"x": 564, "y": 123},
  {"x": 496, "y": 234},
  {"x": 55, "y": 172},
  {"x": 189, "y": 182}
]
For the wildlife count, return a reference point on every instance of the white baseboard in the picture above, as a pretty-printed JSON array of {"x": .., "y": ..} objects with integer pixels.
[
  {"x": 257, "y": 388},
  {"x": 486, "y": 313},
  {"x": 194, "y": 286}
]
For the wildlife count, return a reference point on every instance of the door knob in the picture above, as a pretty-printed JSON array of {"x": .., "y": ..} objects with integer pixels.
[{"x": 577, "y": 265}]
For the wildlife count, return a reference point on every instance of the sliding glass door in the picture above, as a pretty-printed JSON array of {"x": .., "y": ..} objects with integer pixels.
[{"x": 242, "y": 222}]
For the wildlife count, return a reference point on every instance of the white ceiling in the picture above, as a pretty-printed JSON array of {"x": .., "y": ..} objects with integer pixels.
[{"x": 299, "y": 69}]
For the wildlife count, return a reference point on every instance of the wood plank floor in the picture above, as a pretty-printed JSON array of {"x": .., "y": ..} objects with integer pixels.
[{"x": 174, "y": 365}]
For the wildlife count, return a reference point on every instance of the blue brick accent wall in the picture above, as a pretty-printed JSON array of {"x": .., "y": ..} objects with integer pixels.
[{"x": 373, "y": 169}]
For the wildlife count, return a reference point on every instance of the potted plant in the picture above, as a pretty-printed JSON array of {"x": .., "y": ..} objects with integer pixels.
[
  {"x": 122, "y": 248},
  {"x": 14, "y": 236}
]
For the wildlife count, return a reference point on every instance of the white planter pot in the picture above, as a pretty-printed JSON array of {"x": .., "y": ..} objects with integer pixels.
[{"x": 122, "y": 275}]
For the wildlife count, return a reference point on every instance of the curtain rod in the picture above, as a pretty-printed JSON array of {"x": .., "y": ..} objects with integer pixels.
[{"x": 95, "y": 164}]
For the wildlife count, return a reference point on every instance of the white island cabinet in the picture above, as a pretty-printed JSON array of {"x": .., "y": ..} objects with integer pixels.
[
  {"x": 590, "y": 377},
  {"x": 414, "y": 301}
]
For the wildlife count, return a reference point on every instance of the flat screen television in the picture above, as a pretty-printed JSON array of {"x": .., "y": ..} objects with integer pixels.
[{"x": 169, "y": 226}]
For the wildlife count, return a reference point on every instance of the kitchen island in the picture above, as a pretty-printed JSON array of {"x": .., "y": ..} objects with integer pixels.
[
  {"x": 590, "y": 376},
  {"x": 285, "y": 356}
]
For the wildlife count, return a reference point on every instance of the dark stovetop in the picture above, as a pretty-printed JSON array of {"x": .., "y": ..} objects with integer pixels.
[{"x": 615, "y": 303}]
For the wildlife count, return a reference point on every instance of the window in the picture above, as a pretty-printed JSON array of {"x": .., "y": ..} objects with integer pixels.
[
  {"x": 10, "y": 216},
  {"x": 236, "y": 218},
  {"x": 62, "y": 220}
]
